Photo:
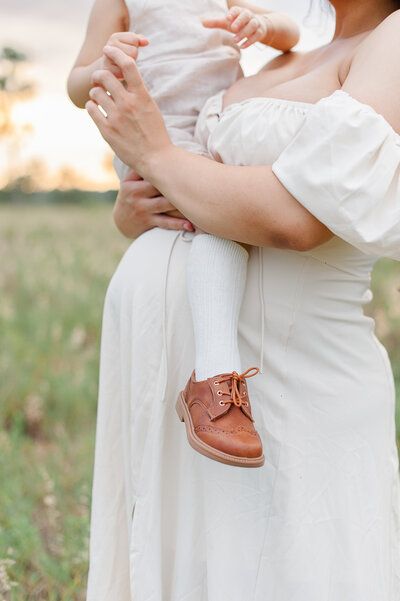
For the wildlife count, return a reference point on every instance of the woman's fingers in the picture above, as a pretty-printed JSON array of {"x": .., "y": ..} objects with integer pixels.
[
  {"x": 248, "y": 31},
  {"x": 159, "y": 204},
  {"x": 100, "y": 97},
  {"x": 172, "y": 223},
  {"x": 108, "y": 82},
  {"x": 132, "y": 176},
  {"x": 97, "y": 116},
  {"x": 241, "y": 20},
  {"x": 139, "y": 207},
  {"x": 127, "y": 66},
  {"x": 136, "y": 189}
]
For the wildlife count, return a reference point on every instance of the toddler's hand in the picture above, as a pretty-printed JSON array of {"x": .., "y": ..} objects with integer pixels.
[
  {"x": 126, "y": 41},
  {"x": 244, "y": 24}
]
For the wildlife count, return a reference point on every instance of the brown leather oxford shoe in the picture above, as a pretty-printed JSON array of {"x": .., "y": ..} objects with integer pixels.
[{"x": 218, "y": 420}]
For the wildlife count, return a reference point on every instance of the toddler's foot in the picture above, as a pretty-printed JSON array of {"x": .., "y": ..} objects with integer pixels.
[{"x": 218, "y": 420}]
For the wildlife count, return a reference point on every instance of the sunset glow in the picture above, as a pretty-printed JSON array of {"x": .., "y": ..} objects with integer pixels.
[{"x": 58, "y": 137}]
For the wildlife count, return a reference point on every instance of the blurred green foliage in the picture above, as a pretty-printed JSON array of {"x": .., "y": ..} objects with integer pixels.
[
  {"x": 57, "y": 260},
  {"x": 85, "y": 198}
]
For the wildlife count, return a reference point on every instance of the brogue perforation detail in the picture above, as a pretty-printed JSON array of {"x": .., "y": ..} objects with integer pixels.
[{"x": 228, "y": 432}]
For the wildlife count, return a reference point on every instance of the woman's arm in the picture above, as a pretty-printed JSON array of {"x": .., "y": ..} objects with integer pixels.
[
  {"x": 247, "y": 204},
  {"x": 257, "y": 24}
]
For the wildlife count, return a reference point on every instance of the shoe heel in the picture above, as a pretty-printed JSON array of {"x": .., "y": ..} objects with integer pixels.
[{"x": 179, "y": 409}]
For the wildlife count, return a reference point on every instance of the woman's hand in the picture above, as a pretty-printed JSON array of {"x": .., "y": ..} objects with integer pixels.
[
  {"x": 244, "y": 24},
  {"x": 139, "y": 207},
  {"x": 132, "y": 125},
  {"x": 126, "y": 41}
]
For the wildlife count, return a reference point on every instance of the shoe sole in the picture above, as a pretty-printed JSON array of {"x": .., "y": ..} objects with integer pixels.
[{"x": 201, "y": 447}]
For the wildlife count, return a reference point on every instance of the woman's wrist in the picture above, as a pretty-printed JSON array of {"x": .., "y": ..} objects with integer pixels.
[{"x": 157, "y": 164}]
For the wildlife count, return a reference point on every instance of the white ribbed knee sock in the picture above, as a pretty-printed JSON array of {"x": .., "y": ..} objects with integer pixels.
[{"x": 216, "y": 282}]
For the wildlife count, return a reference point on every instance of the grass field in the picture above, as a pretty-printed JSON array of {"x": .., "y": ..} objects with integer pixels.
[{"x": 56, "y": 263}]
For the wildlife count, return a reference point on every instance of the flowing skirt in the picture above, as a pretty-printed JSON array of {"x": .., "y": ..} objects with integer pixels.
[{"x": 319, "y": 522}]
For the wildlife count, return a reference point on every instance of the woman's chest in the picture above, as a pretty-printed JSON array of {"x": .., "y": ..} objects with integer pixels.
[
  {"x": 286, "y": 84},
  {"x": 296, "y": 77}
]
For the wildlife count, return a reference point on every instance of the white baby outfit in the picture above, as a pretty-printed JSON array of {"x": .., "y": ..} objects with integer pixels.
[
  {"x": 320, "y": 521},
  {"x": 184, "y": 64}
]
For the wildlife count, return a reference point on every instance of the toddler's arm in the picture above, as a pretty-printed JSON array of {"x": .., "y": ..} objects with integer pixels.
[
  {"x": 256, "y": 24},
  {"x": 108, "y": 25}
]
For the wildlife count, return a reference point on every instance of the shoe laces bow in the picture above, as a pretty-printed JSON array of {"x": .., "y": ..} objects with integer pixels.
[{"x": 235, "y": 397}]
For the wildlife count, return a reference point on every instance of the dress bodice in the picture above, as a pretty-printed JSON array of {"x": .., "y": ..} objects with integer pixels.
[
  {"x": 252, "y": 132},
  {"x": 255, "y": 132}
]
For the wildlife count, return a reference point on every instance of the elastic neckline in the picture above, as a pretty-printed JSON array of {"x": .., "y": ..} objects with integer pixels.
[{"x": 269, "y": 100}]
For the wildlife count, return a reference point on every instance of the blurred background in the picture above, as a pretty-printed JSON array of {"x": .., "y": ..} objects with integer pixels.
[{"x": 59, "y": 249}]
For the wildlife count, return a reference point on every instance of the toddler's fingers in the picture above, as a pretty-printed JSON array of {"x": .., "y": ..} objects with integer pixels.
[
  {"x": 233, "y": 13},
  {"x": 129, "y": 49},
  {"x": 108, "y": 66},
  {"x": 241, "y": 20},
  {"x": 249, "y": 30},
  {"x": 250, "y": 41},
  {"x": 128, "y": 37},
  {"x": 216, "y": 23}
]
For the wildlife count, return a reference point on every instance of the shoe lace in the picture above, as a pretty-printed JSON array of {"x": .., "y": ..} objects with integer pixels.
[{"x": 234, "y": 388}]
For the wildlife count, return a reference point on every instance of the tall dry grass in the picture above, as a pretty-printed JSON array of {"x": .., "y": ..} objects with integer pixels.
[{"x": 56, "y": 264}]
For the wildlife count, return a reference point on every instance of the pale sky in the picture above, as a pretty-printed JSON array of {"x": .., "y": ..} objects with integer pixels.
[{"x": 50, "y": 32}]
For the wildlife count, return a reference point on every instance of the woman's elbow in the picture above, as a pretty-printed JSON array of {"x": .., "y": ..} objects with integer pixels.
[{"x": 302, "y": 238}]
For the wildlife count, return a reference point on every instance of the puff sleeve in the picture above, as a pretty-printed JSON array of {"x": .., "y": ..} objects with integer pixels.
[{"x": 344, "y": 167}]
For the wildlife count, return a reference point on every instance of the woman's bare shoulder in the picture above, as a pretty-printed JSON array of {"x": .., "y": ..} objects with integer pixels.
[
  {"x": 374, "y": 74},
  {"x": 387, "y": 31}
]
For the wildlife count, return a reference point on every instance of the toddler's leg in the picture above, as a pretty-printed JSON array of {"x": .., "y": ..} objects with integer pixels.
[
  {"x": 216, "y": 282},
  {"x": 215, "y": 403}
]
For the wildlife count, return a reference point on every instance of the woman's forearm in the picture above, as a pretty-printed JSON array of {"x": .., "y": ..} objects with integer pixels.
[{"x": 246, "y": 204}]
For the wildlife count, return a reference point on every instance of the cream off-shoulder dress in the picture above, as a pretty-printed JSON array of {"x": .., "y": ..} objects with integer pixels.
[{"x": 321, "y": 520}]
